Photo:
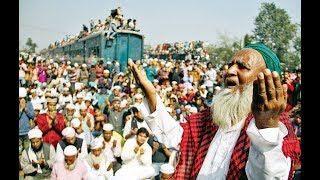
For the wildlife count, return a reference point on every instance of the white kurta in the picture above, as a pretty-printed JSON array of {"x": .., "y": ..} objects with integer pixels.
[
  {"x": 110, "y": 151},
  {"x": 134, "y": 164},
  {"x": 265, "y": 149},
  {"x": 101, "y": 173}
]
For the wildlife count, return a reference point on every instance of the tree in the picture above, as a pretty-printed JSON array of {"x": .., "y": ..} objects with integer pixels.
[
  {"x": 30, "y": 46},
  {"x": 247, "y": 39},
  {"x": 274, "y": 28}
]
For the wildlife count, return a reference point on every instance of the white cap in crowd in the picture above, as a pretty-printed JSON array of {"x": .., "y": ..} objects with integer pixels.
[
  {"x": 83, "y": 107},
  {"x": 68, "y": 132},
  {"x": 22, "y": 92},
  {"x": 106, "y": 71},
  {"x": 138, "y": 96},
  {"x": 37, "y": 106},
  {"x": 70, "y": 106},
  {"x": 107, "y": 127},
  {"x": 167, "y": 168},
  {"x": 75, "y": 122},
  {"x": 35, "y": 133},
  {"x": 70, "y": 150},
  {"x": 96, "y": 143}
]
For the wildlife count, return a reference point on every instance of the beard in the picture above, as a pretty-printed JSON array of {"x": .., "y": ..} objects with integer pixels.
[
  {"x": 96, "y": 159},
  {"x": 37, "y": 149},
  {"x": 71, "y": 166},
  {"x": 232, "y": 106}
]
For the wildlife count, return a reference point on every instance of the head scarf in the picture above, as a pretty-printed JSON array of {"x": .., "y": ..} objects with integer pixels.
[{"x": 269, "y": 57}]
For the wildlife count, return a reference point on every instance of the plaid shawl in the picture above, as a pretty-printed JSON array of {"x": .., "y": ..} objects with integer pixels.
[{"x": 198, "y": 134}]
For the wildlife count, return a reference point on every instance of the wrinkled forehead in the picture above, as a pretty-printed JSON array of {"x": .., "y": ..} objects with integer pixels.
[{"x": 249, "y": 56}]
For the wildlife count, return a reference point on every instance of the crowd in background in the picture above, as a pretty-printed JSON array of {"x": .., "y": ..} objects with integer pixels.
[{"x": 99, "y": 101}]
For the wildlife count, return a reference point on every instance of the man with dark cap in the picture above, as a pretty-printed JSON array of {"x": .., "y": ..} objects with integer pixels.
[{"x": 245, "y": 131}]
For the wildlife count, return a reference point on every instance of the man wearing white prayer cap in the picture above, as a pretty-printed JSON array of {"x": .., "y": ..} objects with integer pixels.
[
  {"x": 138, "y": 98},
  {"x": 71, "y": 113},
  {"x": 167, "y": 171},
  {"x": 70, "y": 167},
  {"x": 112, "y": 142},
  {"x": 69, "y": 138},
  {"x": 98, "y": 164},
  {"x": 38, "y": 159},
  {"x": 26, "y": 113},
  {"x": 81, "y": 132}
]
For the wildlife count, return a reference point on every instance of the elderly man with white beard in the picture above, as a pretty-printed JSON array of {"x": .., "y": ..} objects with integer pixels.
[
  {"x": 71, "y": 167},
  {"x": 245, "y": 134},
  {"x": 98, "y": 164}
]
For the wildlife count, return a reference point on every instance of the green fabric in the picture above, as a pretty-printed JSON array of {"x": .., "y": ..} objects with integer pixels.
[{"x": 270, "y": 58}]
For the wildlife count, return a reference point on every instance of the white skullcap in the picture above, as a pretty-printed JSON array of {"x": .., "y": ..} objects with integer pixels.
[
  {"x": 189, "y": 68},
  {"x": 84, "y": 65},
  {"x": 76, "y": 65},
  {"x": 156, "y": 80},
  {"x": 106, "y": 71},
  {"x": 120, "y": 73},
  {"x": 75, "y": 122},
  {"x": 52, "y": 100},
  {"x": 35, "y": 133},
  {"x": 193, "y": 110},
  {"x": 163, "y": 63},
  {"x": 144, "y": 65},
  {"x": 107, "y": 127},
  {"x": 190, "y": 87},
  {"x": 70, "y": 106},
  {"x": 109, "y": 62},
  {"x": 66, "y": 89},
  {"x": 70, "y": 150},
  {"x": 20, "y": 58},
  {"x": 33, "y": 90},
  {"x": 187, "y": 107},
  {"x": 169, "y": 109},
  {"x": 167, "y": 168},
  {"x": 68, "y": 132},
  {"x": 138, "y": 96},
  {"x": 133, "y": 86},
  {"x": 68, "y": 62},
  {"x": 123, "y": 103},
  {"x": 124, "y": 84},
  {"x": 174, "y": 82},
  {"x": 37, "y": 106},
  {"x": 217, "y": 88},
  {"x": 168, "y": 64},
  {"x": 169, "y": 89},
  {"x": 96, "y": 143},
  {"x": 55, "y": 81},
  {"x": 116, "y": 87},
  {"x": 79, "y": 95},
  {"x": 49, "y": 67},
  {"x": 22, "y": 92},
  {"x": 87, "y": 98},
  {"x": 68, "y": 67},
  {"x": 203, "y": 86},
  {"x": 83, "y": 107}
]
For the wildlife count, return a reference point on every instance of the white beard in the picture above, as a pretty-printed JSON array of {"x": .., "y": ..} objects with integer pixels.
[
  {"x": 231, "y": 106},
  {"x": 71, "y": 166},
  {"x": 96, "y": 159}
]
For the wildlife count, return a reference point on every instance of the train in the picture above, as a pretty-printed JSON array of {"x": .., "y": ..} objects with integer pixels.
[{"x": 126, "y": 44}]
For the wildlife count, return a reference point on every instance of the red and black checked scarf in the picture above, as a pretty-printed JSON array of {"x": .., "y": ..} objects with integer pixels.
[{"x": 198, "y": 134}]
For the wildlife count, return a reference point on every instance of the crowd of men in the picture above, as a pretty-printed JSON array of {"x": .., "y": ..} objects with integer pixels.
[{"x": 79, "y": 121}]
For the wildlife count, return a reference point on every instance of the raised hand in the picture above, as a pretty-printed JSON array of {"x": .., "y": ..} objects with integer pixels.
[
  {"x": 147, "y": 87},
  {"x": 269, "y": 99}
]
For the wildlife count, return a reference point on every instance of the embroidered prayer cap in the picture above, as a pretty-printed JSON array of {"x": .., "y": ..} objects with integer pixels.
[
  {"x": 167, "y": 168},
  {"x": 107, "y": 127},
  {"x": 22, "y": 92},
  {"x": 269, "y": 57},
  {"x": 70, "y": 150},
  {"x": 96, "y": 143},
  {"x": 68, "y": 132},
  {"x": 35, "y": 133},
  {"x": 75, "y": 122}
]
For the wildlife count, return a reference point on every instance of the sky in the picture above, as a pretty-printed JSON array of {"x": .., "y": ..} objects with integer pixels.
[{"x": 161, "y": 21}]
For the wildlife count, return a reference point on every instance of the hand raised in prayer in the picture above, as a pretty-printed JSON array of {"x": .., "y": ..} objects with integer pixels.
[
  {"x": 269, "y": 99},
  {"x": 142, "y": 151},
  {"x": 109, "y": 167},
  {"x": 22, "y": 105},
  {"x": 147, "y": 87},
  {"x": 34, "y": 164},
  {"x": 96, "y": 166},
  {"x": 136, "y": 149},
  {"x": 114, "y": 143}
]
